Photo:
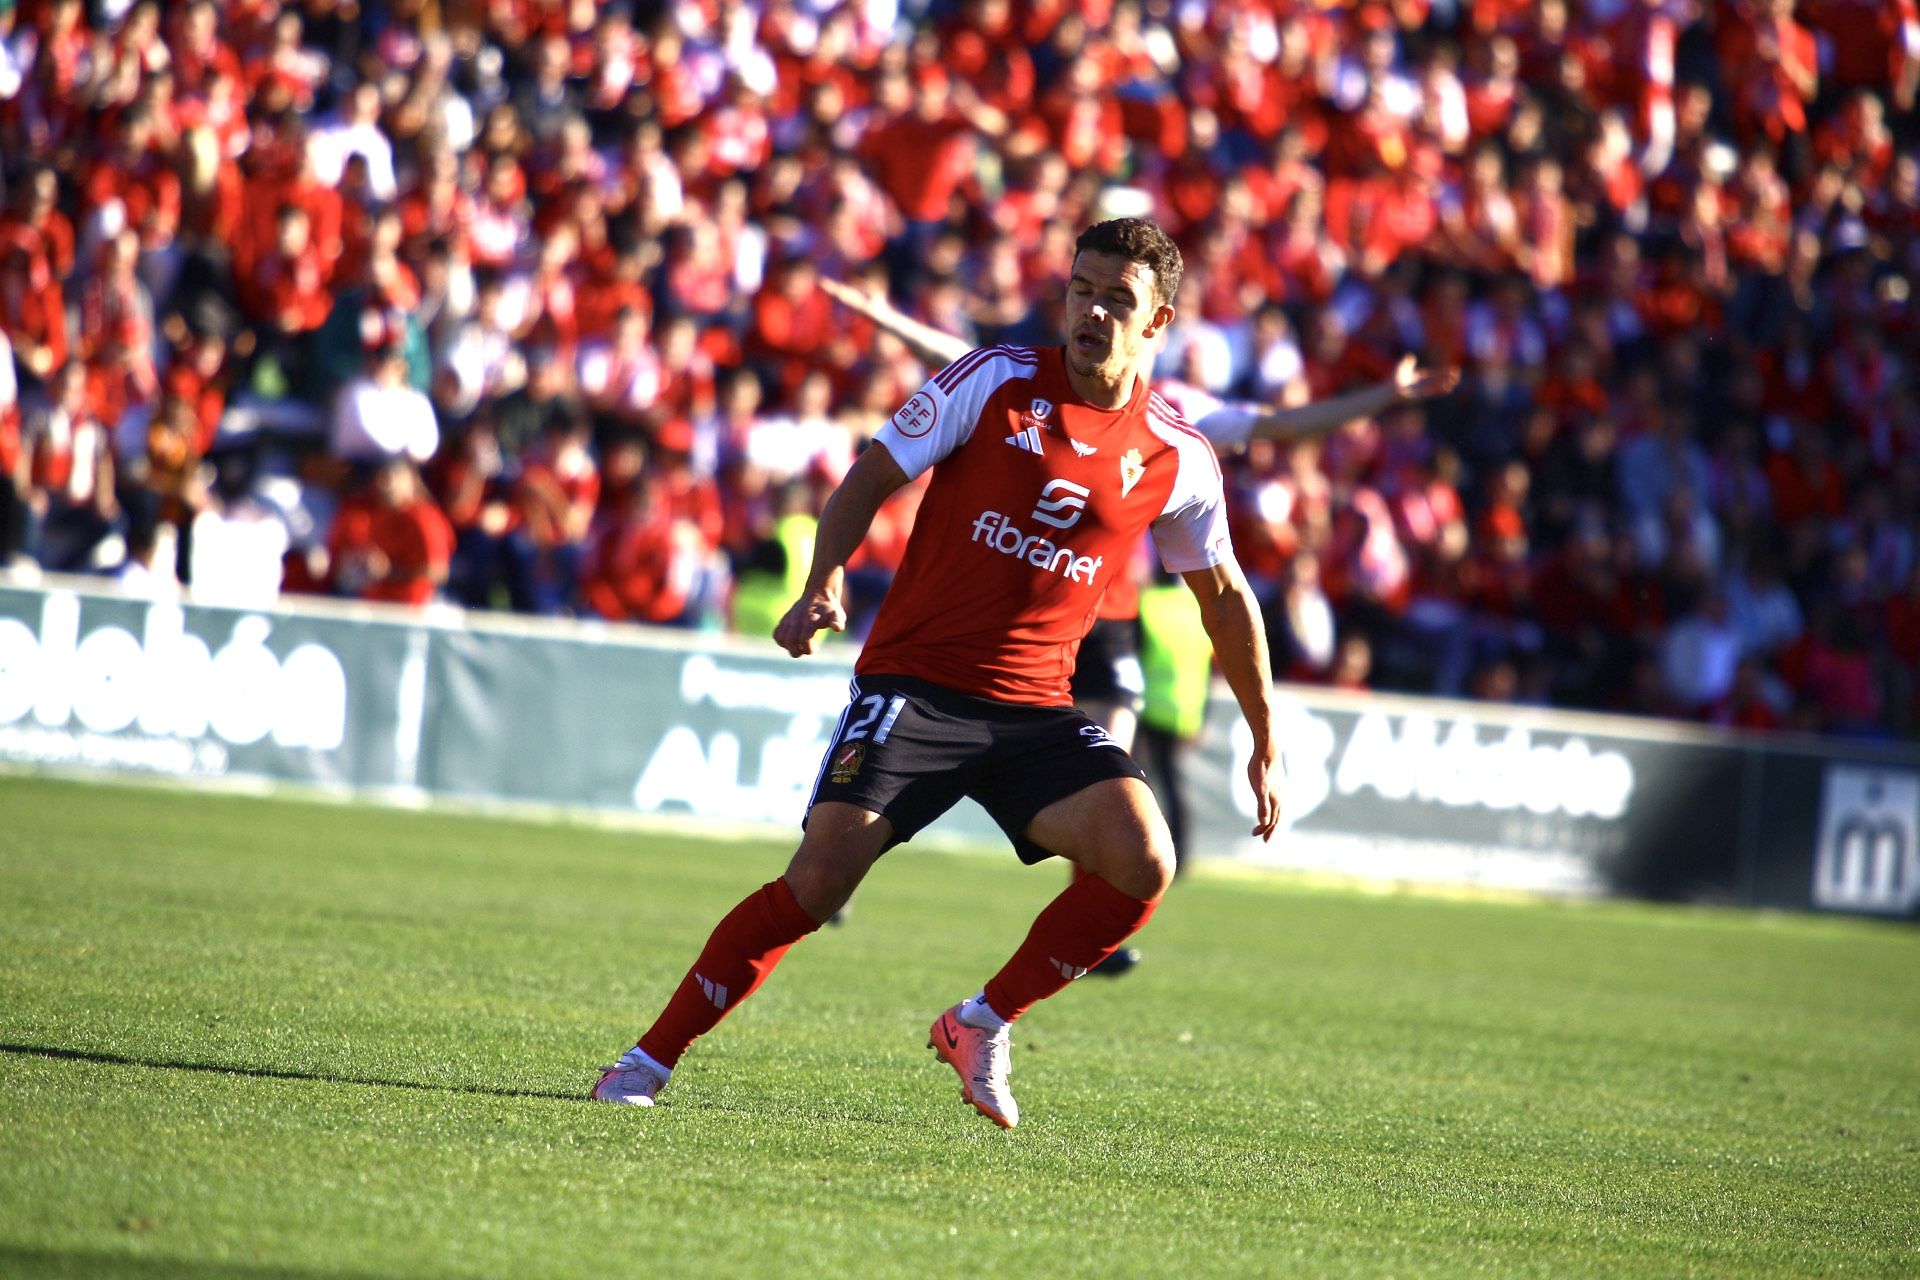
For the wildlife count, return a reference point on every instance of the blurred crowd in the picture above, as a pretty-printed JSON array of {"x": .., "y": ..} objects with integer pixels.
[{"x": 516, "y": 304}]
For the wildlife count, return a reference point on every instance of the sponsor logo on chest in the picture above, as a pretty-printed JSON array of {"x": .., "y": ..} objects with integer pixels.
[{"x": 1060, "y": 505}]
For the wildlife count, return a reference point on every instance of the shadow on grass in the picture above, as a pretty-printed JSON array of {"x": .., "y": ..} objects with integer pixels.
[
  {"x": 269, "y": 1073},
  {"x": 92, "y": 1264}
]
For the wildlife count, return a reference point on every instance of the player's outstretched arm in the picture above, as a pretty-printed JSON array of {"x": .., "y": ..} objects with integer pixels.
[
  {"x": 849, "y": 513},
  {"x": 935, "y": 348},
  {"x": 1232, "y": 619},
  {"x": 1410, "y": 382}
]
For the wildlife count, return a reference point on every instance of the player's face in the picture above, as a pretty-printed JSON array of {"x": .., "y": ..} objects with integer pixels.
[{"x": 1111, "y": 316}]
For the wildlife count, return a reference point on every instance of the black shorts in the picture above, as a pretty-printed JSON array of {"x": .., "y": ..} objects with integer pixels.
[
  {"x": 908, "y": 750},
  {"x": 1108, "y": 668}
]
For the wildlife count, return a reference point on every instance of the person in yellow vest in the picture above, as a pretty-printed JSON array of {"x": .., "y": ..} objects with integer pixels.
[
  {"x": 1176, "y": 663},
  {"x": 773, "y": 572}
]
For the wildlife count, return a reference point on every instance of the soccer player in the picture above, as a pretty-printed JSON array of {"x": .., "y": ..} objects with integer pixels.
[
  {"x": 1048, "y": 465},
  {"x": 1107, "y": 682}
]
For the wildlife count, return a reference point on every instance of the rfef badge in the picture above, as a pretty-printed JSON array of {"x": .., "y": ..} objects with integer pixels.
[{"x": 846, "y": 763}]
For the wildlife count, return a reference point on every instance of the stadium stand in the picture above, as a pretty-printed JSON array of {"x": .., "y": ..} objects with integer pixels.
[{"x": 267, "y": 266}]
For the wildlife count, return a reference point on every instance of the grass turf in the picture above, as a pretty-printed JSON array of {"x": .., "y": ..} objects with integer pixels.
[{"x": 243, "y": 1037}]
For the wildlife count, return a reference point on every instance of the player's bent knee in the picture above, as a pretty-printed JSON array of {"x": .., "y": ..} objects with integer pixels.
[
  {"x": 1114, "y": 830},
  {"x": 1144, "y": 873}
]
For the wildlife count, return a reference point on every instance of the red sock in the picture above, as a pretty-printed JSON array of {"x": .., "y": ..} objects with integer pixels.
[
  {"x": 739, "y": 955},
  {"x": 1076, "y": 931}
]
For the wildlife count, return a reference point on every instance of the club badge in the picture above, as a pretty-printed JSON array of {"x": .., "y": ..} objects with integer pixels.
[
  {"x": 1131, "y": 469},
  {"x": 846, "y": 763}
]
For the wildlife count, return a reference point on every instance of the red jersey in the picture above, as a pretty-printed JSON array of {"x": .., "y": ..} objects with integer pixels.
[{"x": 1035, "y": 505}]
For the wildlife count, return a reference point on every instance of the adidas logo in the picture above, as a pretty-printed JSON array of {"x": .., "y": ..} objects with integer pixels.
[
  {"x": 1083, "y": 450},
  {"x": 715, "y": 992},
  {"x": 1069, "y": 971},
  {"x": 1027, "y": 440}
]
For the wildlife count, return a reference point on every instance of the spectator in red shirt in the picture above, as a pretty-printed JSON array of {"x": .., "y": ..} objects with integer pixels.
[
  {"x": 1778, "y": 62},
  {"x": 32, "y": 313},
  {"x": 554, "y": 499},
  {"x": 288, "y": 293},
  {"x": 922, "y": 158},
  {"x": 642, "y": 564},
  {"x": 197, "y": 48},
  {"x": 468, "y": 478},
  {"x": 71, "y": 496},
  {"x": 116, "y": 311},
  {"x": 139, "y": 180},
  {"x": 792, "y": 324},
  {"x": 33, "y": 220},
  {"x": 199, "y": 374},
  {"x": 390, "y": 541},
  {"x": 621, "y": 377}
]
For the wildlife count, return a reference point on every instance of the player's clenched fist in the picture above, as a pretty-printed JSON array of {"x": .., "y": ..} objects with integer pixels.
[{"x": 809, "y": 614}]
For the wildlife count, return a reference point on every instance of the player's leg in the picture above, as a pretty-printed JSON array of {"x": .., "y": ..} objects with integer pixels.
[
  {"x": 1063, "y": 788},
  {"x": 890, "y": 769},
  {"x": 1114, "y": 831},
  {"x": 1108, "y": 687},
  {"x": 841, "y": 844},
  {"x": 1122, "y": 959}
]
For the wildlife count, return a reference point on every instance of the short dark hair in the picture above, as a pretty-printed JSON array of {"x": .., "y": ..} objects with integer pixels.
[{"x": 1138, "y": 240}]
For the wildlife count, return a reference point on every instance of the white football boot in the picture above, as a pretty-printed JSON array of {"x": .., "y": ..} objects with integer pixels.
[
  {"x": 633, "y": 1080},
  {"x": 980, "y": 1059}
]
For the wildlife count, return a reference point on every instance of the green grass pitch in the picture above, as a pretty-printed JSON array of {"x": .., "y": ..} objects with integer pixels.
[{"x": 243, "y": 1037}]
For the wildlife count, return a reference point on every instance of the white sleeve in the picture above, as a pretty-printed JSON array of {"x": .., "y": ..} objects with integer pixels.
[
  {"x": 1224, "y": 423},
  {"x": 1191, "y": 531},
  {"x": 1230, "y": 422},
  {"x": 941, "y": 415}
]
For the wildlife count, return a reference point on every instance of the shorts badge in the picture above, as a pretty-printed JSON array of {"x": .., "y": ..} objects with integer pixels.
[
  {"x": 1131, "y": 469},
  {"x": 846, "y": 763}
]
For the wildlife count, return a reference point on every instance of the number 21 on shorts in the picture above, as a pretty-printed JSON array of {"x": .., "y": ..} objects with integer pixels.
[
  {"x": 869, "y": 710},
  {"x": 849, "y": 750}
]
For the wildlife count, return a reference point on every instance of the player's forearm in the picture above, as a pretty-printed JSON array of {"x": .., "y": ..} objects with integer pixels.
[
  {"x": 933, "y": 347},
  {"x": 1232, "y": 621},
  {"x": 1324, "y": 415},
  {"x": 843, "y": 527},
  {"x": 849, "y": 514}
]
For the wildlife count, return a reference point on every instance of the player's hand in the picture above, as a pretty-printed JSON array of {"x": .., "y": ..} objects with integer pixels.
[
  {"x": 811, "y": 613},
  {"x": 1265, "y": 773},
  {"x": 851, "y": 297},
  {"x": 1411, "y": 382}
]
